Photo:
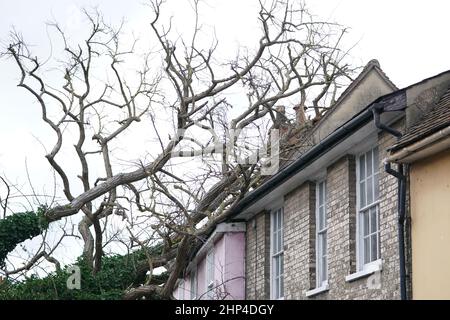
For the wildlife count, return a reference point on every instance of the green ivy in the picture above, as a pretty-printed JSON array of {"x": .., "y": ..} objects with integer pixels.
[
  {"x": 19, "y": 227},
  {"x": 118, "y": 273}
]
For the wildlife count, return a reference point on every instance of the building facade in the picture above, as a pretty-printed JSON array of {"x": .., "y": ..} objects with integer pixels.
[{"x": 328, "y": 224}]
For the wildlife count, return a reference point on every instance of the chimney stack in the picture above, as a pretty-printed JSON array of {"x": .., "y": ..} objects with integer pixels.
[
  {"x": 281, "y": 121},
  {"x": 281, "y": 114}
]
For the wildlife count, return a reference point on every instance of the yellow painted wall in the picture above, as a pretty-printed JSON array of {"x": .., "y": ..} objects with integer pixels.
[{"x": 430, "y": 221}]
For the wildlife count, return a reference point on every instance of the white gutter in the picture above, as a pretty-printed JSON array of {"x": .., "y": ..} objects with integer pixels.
[{"x": 430, "y": 145}]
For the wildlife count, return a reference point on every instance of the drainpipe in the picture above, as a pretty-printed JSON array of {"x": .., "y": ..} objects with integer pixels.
[
  {"x": 401, "y": 222},
  {"x": 401, "y": 178}
]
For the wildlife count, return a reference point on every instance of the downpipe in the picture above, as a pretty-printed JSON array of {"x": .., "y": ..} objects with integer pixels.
[{"x": 401, "y": 178}]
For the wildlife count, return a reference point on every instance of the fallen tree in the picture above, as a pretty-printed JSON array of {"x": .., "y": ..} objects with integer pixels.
[{"x": 185, "y": 100}]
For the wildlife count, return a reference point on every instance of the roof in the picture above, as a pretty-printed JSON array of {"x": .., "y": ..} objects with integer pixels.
[
  {"x": 318, "y": 150},
  {"x": 436, "y": 119},
  {"x": 393, "y": 101},
  {"x": 301, "y": 139},
  {"x": 373, "y": 64}
]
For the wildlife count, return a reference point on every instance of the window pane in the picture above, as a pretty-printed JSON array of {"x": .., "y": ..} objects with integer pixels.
[
  {"x": 369, "y": 183},
  {"x": 276, "y": 288},
  {"x": 281, "y": 276},
  {"x": 319, "y": 249},
  {"x": 374, "y": 248},
  {"x": 277, "y": 266},
  {"x": 323, "y": 276},
  {"x": 275, "y": 222},
  {"x": 362, "y": 194},
  {"x": 281, "y": 229},
  {"x": 369, "y": 163},
  {"x": 367, "y": 250},
  {"x": 280, "y": 219},
  {"x": 365, "y": 222},
  {"x": 362, "y": 168},
  {"x": 378, "y": 246},
  {"x": 373, "y": 220},
  {"x": 321, "y": 193},
  {"x": 277, "y": 219},
  {"x": 275, "y": 243},
  {"x": 324, "y": 192},
  {"x": 376, "y": 163},
  {"x": 277, "y": 276},
  {"x": 280, "y": 241},
  {"x": 376, "y": 187},
  {"x": 324, "y": 244}
]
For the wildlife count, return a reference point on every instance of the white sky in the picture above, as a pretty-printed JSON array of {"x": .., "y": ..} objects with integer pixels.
[{"x": 409, "y": 38}]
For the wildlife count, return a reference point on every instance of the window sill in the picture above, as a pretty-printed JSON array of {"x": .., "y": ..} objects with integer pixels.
[
  {"x": 368, "y": 270},
  {"x": 275, "y": 299},
  {"x": 314, "y": 292}
]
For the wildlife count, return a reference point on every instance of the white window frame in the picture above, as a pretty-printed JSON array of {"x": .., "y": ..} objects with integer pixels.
[
  {"x": 194, "y": 284},
  {"x": 274, "y": 255},
  {"x": 362, "y": 266},
  {"x": 210, "y": 266},
  {"x": 321, "y": 283}
]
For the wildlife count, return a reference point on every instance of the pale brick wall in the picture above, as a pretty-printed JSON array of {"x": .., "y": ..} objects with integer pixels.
[
  {"x": 299, "y": 229},
  {"x": 299, "y": 223},
  {"x": 257, "y": 262}
]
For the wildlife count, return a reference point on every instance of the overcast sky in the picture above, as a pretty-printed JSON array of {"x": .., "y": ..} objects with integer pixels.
[{"x": 409, "y": 38}]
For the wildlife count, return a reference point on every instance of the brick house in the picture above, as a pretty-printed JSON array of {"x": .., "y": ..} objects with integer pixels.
[{"x": 326, "y": 225}]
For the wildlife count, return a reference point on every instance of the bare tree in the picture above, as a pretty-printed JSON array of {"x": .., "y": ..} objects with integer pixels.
[{"x": 99, "y": 101}]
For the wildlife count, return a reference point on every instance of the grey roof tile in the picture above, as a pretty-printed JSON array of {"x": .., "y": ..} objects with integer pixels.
[{"x": 434, "y": 120}]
